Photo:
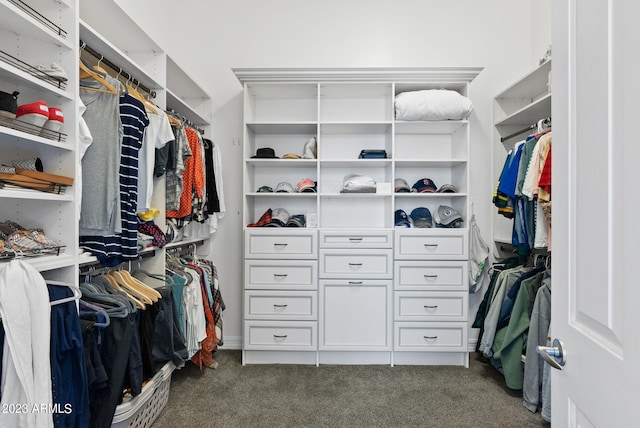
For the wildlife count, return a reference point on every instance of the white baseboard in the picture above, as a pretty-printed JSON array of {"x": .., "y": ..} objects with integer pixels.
[
  {"x": 471, "y": 345},
  {"x": 231, "y": 342}
]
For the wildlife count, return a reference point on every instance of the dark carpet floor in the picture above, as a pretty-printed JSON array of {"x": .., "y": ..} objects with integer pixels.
[{"x": 342, "y": 396}]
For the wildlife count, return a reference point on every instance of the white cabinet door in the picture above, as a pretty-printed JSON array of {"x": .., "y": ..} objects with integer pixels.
[{"x": 355, "y": 315}]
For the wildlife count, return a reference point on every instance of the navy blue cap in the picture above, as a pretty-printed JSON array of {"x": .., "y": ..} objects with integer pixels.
[
  {"x": 402, "y": 219},
  {"x": 421, "y": 217}
]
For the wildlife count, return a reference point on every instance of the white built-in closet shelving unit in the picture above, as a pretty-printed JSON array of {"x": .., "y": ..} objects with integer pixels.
[
  {"x": 518, "y": 108},
  {"x": 354, "y": 289},
  {"x": 54, "y": 35},
  {"x": 51, "y": 36},
  {"x": 108, "y": 29}
]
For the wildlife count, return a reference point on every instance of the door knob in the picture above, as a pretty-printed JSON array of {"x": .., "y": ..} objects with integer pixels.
[{"x": 554, "y": 355}]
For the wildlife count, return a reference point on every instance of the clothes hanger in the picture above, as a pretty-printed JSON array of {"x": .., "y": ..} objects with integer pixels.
[
  {"x": 127, "y": 288},
  {"x": 149, "y": 104},
  {"x": 131, "y": 290},
  {"x": 113, "y": 307},
  {"x": 139, "y": 286},
  {"x": 133, "y": 91},
  {"x": 109, "y": 302},
  {"x": 116, "y": 286},
  {"x": 86, "y": 73},
  {"x": 77, "y": 294},
  {"x": 98, "y": 68},
  {"x": 86, "y": 305}
]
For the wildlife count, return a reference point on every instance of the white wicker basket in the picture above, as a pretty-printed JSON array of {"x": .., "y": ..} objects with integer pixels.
[{"x": 142, "y": 411}]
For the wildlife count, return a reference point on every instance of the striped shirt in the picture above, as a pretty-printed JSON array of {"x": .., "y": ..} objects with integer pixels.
[{"x": 112, "y": 250}]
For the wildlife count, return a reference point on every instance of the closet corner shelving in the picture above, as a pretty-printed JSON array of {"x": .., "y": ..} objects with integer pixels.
[
  {"x": 516, "y": 110},
  {"x": 133, "y": 50},
  {"x": 350, "y": 260},
  {"x": 43, "y": 33}
]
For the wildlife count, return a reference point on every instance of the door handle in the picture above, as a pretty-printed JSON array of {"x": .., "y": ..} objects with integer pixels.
[{"x": 554, "y": 355}]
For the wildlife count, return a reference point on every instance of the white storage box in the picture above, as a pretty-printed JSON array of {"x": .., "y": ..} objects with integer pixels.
[{"x": 142, "y": 411}]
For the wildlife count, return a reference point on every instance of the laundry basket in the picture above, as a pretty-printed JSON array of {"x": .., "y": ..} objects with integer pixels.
[{"x": 141, "y": 411}]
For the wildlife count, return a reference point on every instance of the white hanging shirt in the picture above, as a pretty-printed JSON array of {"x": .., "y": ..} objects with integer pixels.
[
  {"x": 156, "y": 136},
  {"x": 26, "y": 360}
]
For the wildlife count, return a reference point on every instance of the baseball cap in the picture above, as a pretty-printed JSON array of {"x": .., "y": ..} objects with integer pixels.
[
  {"x": 402, "y": 219},
  {"x": 297, "y": 220},
  {"x": 448, "y": 217},
  {"x": 401, "y": 186},
  {"x": 306, "y": 185},
  {"x": 424, "y": 185},
  {"x": 264, "y": 189},
  {"x": 447, "y": 188},
  {"x": 279, "y": 218},
  {"x": 284, "y": 187},
  {"x": 291, "y": 156},
  {"x": 421, "y": 217}
]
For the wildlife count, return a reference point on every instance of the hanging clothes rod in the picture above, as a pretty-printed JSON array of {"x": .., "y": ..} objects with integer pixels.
[
  {"x": 181, "y": 245},
  {"x": 95, "y": 264},
  {"x": 184, "y": 120},
  {"x": 521, "y": 131},
  {"x": 94, "y": 53},
  {"x": 545, "y": 122}
]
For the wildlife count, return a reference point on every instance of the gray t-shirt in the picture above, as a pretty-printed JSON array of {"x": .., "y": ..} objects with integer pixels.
[{"x": 100, "y": 208}]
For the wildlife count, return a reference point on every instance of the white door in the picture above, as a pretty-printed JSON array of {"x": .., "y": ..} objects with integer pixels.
[{"x": 596, "y": 212}]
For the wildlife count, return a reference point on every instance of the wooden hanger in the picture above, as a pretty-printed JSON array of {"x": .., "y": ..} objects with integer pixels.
[
  {"x": 124, "y": 282},
  {"x": 99, "y": 69},
  {"x": 143, "y": 288},
  {"x": 135, "y": 94},
  {"x": 112, "y": 280},
  {"x": 87, "y": 73},
  {"x": 173, "y": 120}
]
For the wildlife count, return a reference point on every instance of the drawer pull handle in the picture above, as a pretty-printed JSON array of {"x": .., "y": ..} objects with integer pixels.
[
  {"x": 431, "y": 306},
  {"x": 355, "y": 239},
  {"x": 431, "y": 245},
  {"x": 431, "y": 337},
  {"x": 431, "y": 276},
  {"x": 355, "y": 282},
  {"x": 277, "y": 244},
  {"x": 280, "y": 306},
  {"x": 355, "y": 264},
  {"x": 280, "y": 336},
  {"x": 280, "y": 275}
]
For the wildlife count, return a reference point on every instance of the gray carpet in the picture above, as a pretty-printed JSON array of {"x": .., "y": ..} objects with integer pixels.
[{"x": 342, "y": 396}]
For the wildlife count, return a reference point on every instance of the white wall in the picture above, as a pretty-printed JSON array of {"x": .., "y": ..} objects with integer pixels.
[
  {"x": 540, "y": 29},
  {"x": 208, "y": 38}
]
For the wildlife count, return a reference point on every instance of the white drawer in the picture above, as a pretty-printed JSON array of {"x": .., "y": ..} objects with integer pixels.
[
  {"x": 430, "y": 275},
  {"x": 434, "y": 244},
  {"x": 281, "y": 335},
  {"x": 343, "y": 264},
  {"x": 280, "y": 305},
  {"x": 282, "y": 243},
  {"x": 283, "y": 275},
  {"x": 356, "y": 239},
  {"x": 430, "y": 336},
  {"x": 431, "y": 306}
]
